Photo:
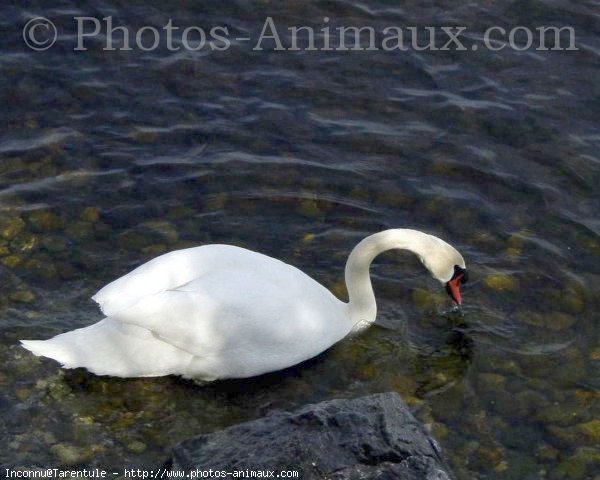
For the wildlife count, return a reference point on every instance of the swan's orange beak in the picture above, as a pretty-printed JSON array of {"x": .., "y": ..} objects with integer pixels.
[{"x": 453, "y": 288}]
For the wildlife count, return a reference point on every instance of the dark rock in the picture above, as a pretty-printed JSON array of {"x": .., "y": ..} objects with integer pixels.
[{"x": 364, "y": 438}]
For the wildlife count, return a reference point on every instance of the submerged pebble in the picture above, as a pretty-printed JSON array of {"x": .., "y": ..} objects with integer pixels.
[
  {"x": 554, "y": 321},
  {"x": 90, "y": 214},
  {"x": 69, "y": 454},
  {"x": 165, "y": 230},
  {"x": 22, "y": 296},
  {"x": 80, "y": 231},
  {"x": 136, "y": 446},
  {"x": 54, "y": 243},
  {"x": 44, "y": 220},
  {"x": 501, "y": 282},
  {"x": 576, "y": 466},
  {"x": 547, "y": 452},
  {"x": 10, "y": 226},
  {"x": 491, "y": 381},
  {"x": 427, "y": 300},
  {"x": 308, "y": 207},
  {"x": 591, "y": 430}
]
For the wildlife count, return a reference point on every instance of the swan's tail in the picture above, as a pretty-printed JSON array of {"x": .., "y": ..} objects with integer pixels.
[{"x": 110, "y": 347}]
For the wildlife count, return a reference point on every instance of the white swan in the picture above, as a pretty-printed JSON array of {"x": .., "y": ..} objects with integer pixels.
[{"x": 219, "y": 311}]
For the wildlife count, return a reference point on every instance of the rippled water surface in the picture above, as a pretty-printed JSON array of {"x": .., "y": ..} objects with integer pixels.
[{"x": 109, "y": 158}]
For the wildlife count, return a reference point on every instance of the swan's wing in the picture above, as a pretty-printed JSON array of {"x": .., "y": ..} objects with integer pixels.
[
  {"x": 170, "y": 271},
  {"x": 113, "y": 348},
  {"x": 243, "y": 322}
]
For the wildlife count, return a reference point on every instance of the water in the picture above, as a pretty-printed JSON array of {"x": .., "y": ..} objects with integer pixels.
[{"x": 110, "y": 158}]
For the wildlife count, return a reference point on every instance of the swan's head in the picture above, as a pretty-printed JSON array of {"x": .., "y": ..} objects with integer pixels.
[
  {"x": 459, "y": 277},
  {"x": 446, "y": 265}
]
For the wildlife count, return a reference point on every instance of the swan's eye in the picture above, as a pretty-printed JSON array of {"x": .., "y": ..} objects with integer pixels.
[{"x": 460, "y": 274}]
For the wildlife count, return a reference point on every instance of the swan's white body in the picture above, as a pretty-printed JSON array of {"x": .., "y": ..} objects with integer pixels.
[{"x": 219, "y": 311}]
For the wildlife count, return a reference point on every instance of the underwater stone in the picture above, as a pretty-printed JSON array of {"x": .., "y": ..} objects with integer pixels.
[
  {"x": 501, "y": 466},
  {"x": 576, "y": 466},
  {"x": 166, "y": 230},
  {"x": 508, "y": 367},
  {"x": 90, "y": 214},
  {"x": 528, "y": 402},
  {"x": 24, "y": 242},
  {"x": 491, "y": 381},
  {"x": 572, "y": 301},
  {"x": 136, "y": 446},
  {"x": 10, "y": 226},
  {"x": 339, "y": 289},
  {"x": 133, "y": 240},
  {"x": 80, "y": 231},
  {"x": 308, "y": 207},
  {"x": 69, "y": 454},
  {"x": 216, "y": 202},
  {"x": 404, "y": 385},
  {"x": 557, "y": 414},
  {"x": 440, "y": 430},
  {"x": 102, "y": 231},
  {"x": 547, "y": 452},
  {"x": 360, "y": 193},
  {"x": 48, "y": 438},
  {"x": 393, "y": 197},
  {"x": 59, "y": 390},
  {"x": 42, "y": 265},
  {"x": 423, "y": 298},
  {"x": 521, "y": 465},
  {"x": 501, "y": 282},
  {"x": 54, "y": 243},
  {"x": 486, "y": 458},
  {"x": 554, "y": 321},
  {"x": 591, "y": 429},
  {"x": 486, "y": 240},
  {"x": 572, "y": 369},
  {"x": 22, "y": 394},
  {"x": 480, "y": 421},
  {"x": 519, "y": 437},
  {"x": 567, "y": 436},
  {"x": 84, "y": 420},
  {"x": 515, "y": 245},
  {"x": 22, "y": 296},
  {"x": 44, "y": 220},
  {"x": 11, "y": 261},
  {"x": 152, "y": 251}
]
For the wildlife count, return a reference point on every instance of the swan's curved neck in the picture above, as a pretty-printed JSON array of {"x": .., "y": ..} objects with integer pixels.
[{"x": 362, "y": 304}]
